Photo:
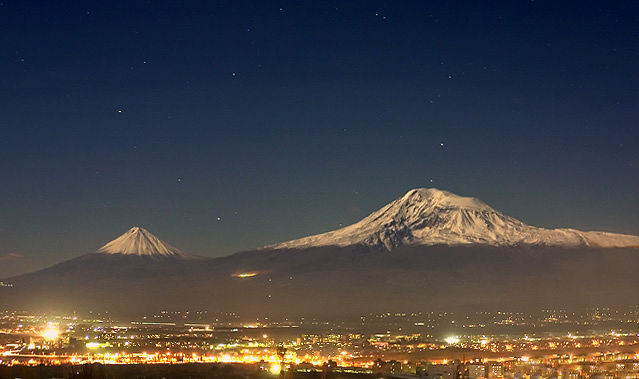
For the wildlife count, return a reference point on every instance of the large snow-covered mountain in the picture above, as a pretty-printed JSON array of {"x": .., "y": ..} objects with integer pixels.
[
  {"x": 141, "y": 242},
  {"x": 428, "y": 216}
]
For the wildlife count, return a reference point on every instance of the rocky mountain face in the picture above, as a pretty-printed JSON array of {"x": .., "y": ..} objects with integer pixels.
[{"x": 428, "y": 216}]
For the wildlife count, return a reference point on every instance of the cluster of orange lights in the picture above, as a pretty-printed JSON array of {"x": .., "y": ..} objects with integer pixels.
[{"x": 168, "y": 357}]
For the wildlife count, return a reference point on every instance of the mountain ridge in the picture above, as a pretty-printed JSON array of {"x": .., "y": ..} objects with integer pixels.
[{"x": 429, "y": 216}]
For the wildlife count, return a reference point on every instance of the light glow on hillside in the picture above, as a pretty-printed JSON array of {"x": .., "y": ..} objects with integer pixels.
[{"x": 245, "y": 274}]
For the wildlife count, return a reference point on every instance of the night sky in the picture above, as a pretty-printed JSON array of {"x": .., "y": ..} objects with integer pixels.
[{"x": 223, "y": 126}]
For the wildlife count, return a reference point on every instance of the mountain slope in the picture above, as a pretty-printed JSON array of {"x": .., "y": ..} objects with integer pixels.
[
  {"x": 130, "y": 276},
  {"x": 335, "y": 281},
  {"x": 139, "y": 241},
  {"x": 428, "y": 216},
  {"x": 125, "y": 274},
  {"x": 449, "y": 252}
]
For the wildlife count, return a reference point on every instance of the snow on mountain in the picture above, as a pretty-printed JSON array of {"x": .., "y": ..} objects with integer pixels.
[
  {"x": 428, "y": 216},
  {"x": 139, "y": 241}
]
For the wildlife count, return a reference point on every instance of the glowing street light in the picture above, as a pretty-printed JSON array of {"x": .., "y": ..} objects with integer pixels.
[
  {"x": 51, "y": 333},
  {"x": 452, "y": 340},
  {"x": 275, "y": 369}
]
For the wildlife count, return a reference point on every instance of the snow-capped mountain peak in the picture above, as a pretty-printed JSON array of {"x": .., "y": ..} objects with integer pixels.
[
  {"x": 139, "y": 241},
  {"x": 429, "y": 216},
  {"x": 441, "y": 198}
]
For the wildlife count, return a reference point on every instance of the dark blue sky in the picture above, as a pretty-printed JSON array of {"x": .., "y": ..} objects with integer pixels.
[{"x": 290, "y": 118}]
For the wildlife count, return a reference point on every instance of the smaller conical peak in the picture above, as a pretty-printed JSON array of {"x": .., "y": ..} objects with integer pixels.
[{"x": 139, "y": 241}]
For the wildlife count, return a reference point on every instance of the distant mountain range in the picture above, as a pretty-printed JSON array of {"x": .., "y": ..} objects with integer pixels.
[{"x": 429, "y": 249}]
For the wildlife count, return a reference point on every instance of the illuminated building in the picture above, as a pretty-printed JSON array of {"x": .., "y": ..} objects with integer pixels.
[
  {"x": 476, "y": 370},
  {"x": 443, "y": 371},
  {"x": 494, "y": 370}
]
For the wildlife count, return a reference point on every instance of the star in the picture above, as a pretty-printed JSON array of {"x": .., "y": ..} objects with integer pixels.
[
  {"x": 219, "y": 218},
  {"x": 119, "y": 110}
]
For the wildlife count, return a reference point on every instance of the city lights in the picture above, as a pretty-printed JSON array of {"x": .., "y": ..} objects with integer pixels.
[
  {"x": 51, "y": 333},
  {"x": 275, "y": 369},
  {"x": 452, "y": 340},
  {"x": 174, "y": 338}
]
